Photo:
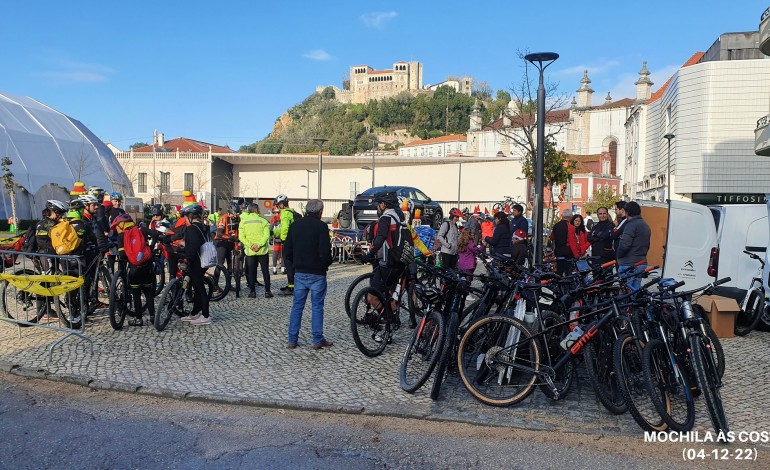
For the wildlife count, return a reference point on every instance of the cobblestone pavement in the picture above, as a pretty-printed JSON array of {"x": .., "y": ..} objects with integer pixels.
[{"x": 241, "y": 357}]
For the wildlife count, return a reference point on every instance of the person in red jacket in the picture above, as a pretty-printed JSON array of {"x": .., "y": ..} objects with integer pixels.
[{"x": 577, "y": 237}]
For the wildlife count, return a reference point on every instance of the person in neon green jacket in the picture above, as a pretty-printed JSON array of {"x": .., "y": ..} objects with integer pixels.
[
  {"x": 254, "y": 233},
  {"x": 287, "y": 218}
]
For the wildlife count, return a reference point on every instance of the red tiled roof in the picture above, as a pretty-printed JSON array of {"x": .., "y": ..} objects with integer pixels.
[
  {"x": 559, "y": 115},
  {"x": 438, "y": 140},
  {"x": 184, "y": 144},
  {"x": 586, "y": 158},
  {"x": 691, "y": 61}
]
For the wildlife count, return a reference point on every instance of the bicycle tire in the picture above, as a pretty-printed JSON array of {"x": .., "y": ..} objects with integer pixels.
[
  {"x": 667, "y": 387},
  {"x": 708, "y": 382},
  {"x": 159, "y": 272},
  {"x": 446, "y": 354},
  {"x": 551, "y": 353},
  {"x": 222, "y": 287},
  {"x": 716, "y": 344},
  {"x": 597, "y": 356},
  {"x": 479, "y": 361},
  {"x": 498, "y": 207},
  {"x": 629, "y": 372},
  {"x": 367, "y": 324},
  {"x": 14, "y": 302},
  {"x": 118, "y": 301},
  {"x": 101, "y": 289},
  {"x": 422, "y": 352},
  {"x": 171, "y": 300},
  {"x": 352, "y": 288},
  {"x": 747, "y": 320}
]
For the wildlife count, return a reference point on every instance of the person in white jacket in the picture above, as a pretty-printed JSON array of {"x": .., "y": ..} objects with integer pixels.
[{"x": 448, "y": 235}]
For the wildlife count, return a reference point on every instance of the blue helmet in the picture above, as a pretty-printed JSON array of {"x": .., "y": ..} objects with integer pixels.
[{"x": 116, "y": 196}]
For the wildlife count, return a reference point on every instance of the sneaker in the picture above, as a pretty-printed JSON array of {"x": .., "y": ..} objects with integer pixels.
[
  {"x": 189, "y": 318},
  {"x": 283, "y": 270},
  {"x": 284, "y": 288},
  {"x": 252, "y": 295},
  {"x": 377, "y": 337},
  {"x": 274, "y": 270},
  {"x": 323, "y": 344},
  {"x": 201, "y": 320},
  {"x": 291, "y": 345},
  {"x": 287, "y": 292},
  {"x": 135, "y": 322},
  {"x": 268, "y": 295}
]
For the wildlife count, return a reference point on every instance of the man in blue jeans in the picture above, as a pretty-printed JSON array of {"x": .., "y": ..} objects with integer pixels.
[
  {"x": 308, "y": 248},
  {"x": 633, "y": 245}
]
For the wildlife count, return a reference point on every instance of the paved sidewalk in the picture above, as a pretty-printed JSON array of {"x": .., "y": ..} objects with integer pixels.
[{"x": 241, "y": 357}]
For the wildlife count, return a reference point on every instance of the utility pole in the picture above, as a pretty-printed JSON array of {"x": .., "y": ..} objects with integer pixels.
[{"x": 320, "y": 143}]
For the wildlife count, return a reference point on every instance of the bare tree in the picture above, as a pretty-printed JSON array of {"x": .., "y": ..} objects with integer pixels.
[
  {"x": 131, "y": 169},
  {"x": 10, "y": 186},
  {"x": 202, "y": 178},
  {"x": 280, "y": 184}
]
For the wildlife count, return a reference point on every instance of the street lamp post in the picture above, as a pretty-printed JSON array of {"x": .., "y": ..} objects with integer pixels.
[
  {"x": 308, "y": 182},
  {"x": 538, "y": 59},
  {"x": 459, "y": 180},
  {"x": 320, "y": 143},
  {"x": 669, "y": 137},
  {"x": 374, "y": 145}
]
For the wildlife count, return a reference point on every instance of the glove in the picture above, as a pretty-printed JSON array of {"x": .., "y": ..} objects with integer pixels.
[{"x": 369, "y": 257}]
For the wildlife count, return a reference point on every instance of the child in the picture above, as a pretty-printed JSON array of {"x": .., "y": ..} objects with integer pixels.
[{"x": 467, "y": 251}]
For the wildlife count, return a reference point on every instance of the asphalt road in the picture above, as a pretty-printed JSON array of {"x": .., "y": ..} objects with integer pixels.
[{"x": 56, "y": 425}]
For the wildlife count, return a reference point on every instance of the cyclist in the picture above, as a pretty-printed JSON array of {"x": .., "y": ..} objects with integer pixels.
[
  {"x": 287, "y": 216},
  {"x": 275, "y": 240},
  {"x": 91, "y": 208},
  {"x": 226, "y": 236},
  {"x": 194, "y": 238},
  {"x": 100, "y": 215},
  {"x": 255, "y": 235},
  {"x": 157, "y": 216},
  {"x": 56, "y": 209},
  {"x": 141, "y": 278},
  {"x": 387, "y": 269},
  {"x": 173, "y": 243},
  {"x": 448, "y": 235}
]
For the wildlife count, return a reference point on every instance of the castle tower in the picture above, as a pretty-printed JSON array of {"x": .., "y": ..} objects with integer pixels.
[
  {"x": 608, "y": 98},
  {"x": 415, "y": 75},
  {"x": 644, "y": 84},
  {"x": 475, "y": 117},
  {"x": 585, "y": 92}
]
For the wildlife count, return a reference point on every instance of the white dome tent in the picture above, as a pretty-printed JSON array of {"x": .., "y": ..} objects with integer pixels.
[{"x": 50, "y": 151}]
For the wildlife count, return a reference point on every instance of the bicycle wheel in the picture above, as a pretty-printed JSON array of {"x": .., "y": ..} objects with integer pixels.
[
  {"x": 667, "y": 386},
  {"x": 423, "y": 352},
  {"x": 498, "y": 207},
  {"x": 353, "y": 289},
  {"x": 221, "y": 278},
  {"x": 597, "y": 356},
  {"x": 498, "y": 360},
  {"x": 552, "y": 352},
  {"x": 708, "y": 381},
  {"x": 716, "y": 346},
  {"x": 371, "y": 332},
  {"x": 171, "y": 303},
  {"x": 20, "y": 305},
  {"x": 627, "y": 360},
  {"x": 119, "y": 300},
  {"x": 159, "y": 271},
  {"x": 446, "y": 354},
  {"x": 747, "y": 319},
  {"x": 102, "y": 287}
]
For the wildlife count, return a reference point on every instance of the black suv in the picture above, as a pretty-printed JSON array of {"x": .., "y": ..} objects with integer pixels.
[{"x": 365, "y": 209}]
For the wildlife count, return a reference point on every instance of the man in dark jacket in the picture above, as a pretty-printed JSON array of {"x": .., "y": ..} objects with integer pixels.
[
  {"x": 620, "y": 221},
  {"x": 561, "y": 249},
  {"x": 308, "y": 248},
  {"x": 601, "y": 236},
  {"x": 633, "y": 244},
  {"x": 195, "y": 235}
]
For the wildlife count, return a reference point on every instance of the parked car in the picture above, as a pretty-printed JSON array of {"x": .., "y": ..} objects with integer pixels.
[{"x": 365, "y": 209}]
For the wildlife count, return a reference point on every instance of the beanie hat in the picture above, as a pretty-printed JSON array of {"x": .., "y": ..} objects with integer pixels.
[
  {"x": 519, "y": 235},
  {"x": 189, "y": 198},
  {"x": 79, "y": 189}
]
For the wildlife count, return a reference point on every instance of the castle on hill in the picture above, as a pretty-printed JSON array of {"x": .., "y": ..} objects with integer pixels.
[{"x": 367, "y": 84}]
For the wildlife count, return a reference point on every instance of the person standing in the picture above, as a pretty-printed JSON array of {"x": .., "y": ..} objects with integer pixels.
[
  {"x": 501, "y": 240},
  {"x": 601, "y": 236},
  {"x": 517, "y": 220},
  {"x": 560, "y": 237},
  {"x": 620, "y": 220},
  {"x": 487, "y": 227},
  {"x": 589, "y": 221},
  {"x": 473, "y": 226},
  {"x": 254, "y": 233},
  {"x": 195, "y": 235},
  {"x": 308, "y": 248},
  {"x": 225, "y": 237},
  {"x": 288, "y": 216},
  {"x": 634, "y": 244},
  {"x": 275, "y": 227},
  {"x": 448, "y": 235},
  {"x": 578, "y": 237}
]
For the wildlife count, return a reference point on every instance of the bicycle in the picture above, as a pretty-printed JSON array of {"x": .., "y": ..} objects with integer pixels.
[
  {"x": 427, "y": 342},
  {"x": 176, "y": 298},
  {"x": 122, "y": 298},
  {"x": 220, "y": 278},
  {"x": 505, "y": 205},
  {"x": 754, "y": 306}
]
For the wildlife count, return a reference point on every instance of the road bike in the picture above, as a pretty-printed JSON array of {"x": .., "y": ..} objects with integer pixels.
[{"x": 505, "y": 205}]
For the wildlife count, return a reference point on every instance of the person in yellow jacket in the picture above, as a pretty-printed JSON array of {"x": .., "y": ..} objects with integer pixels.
[
  {"x": 287, "y": 218},
  {"x": 254, "y": 233}
]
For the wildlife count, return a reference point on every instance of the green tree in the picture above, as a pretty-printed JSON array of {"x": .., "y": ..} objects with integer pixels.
[
  {"x": 601, "y": 198},
  {"x": 557, "y": 170},
  {"x": 138, "y": 144},
  {"x": 10, "y": 186}
]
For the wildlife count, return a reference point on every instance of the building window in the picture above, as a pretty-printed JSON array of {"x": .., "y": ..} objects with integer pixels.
[
  {"x": 598, "y": 186},
  {"x": 165, "y": 181},
  {"x": 556, "y": 190},
  {"x": 668, "y": 119},
  {"x": 141, "y": 183},
  {"x": 188, "y": 182},
  {"x": 577, "y": 190}
]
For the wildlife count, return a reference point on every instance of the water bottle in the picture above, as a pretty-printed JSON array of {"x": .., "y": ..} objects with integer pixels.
[
  {"x": 396, "y": 292},
  {"x": 570, "y": 339}
]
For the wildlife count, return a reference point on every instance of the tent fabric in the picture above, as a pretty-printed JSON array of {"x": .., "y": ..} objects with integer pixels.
[{"x": 50, "y": 151}]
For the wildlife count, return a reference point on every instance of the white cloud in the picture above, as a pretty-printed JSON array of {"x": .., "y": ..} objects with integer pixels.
[
  {"x": 377, "y": 19},
  {"x": 317, "y": 54},
  {"x": 78, "y": 72},
  {"x": 593, "y": 69}
]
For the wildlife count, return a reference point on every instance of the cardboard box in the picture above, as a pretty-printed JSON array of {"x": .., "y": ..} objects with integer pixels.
[{"x": 721, "y": 312}]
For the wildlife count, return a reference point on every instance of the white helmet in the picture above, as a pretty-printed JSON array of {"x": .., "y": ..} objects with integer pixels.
[
  {"x": 56, "y": 206},
  {"x": 88, "y": 199}
]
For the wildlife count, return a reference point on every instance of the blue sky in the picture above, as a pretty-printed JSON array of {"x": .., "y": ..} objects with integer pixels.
[{"x": 222, "y": 72}]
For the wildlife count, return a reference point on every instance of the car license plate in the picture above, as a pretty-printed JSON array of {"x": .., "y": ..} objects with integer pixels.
[
  {"x": 428, "y": 210},
  {"x": 369, "y": 212}
]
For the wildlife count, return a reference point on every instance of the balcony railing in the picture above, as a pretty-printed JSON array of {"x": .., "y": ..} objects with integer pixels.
[
  {"x": 164, "y": 155},
  {"x": 762, "y": 137},
  {"x": 764, "y": 32}
]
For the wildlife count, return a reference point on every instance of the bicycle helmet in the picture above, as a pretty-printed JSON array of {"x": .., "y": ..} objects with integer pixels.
[
  {"x": 55, "y": 206},
  {"x": 116, "y": 196},
  {"x": 88, "y": 199},
  {"x": 466, "y": 213},
  {"x": 192, "y": 209},
  {"x": 455, "y": 212},
  {"x": 235, "y": 208},
  {"x": 163, "y": 226},
  {"x": 388, "y": 198},
  {"x": 119, "y": 220},
  {"x": 95, "y": 191},
  {"x": 76, "y": 205},
  {"x": 281, "y": 199},
  {"x": 157, "y": 209}
]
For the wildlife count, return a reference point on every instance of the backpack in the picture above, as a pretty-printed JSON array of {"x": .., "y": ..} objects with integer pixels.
[
  {"x": 400, "y": 245},
  {"x": 207, "y": 252},
  {"x": 64, "y": 238},
  {"x": 436, "y": 241},
  {"x": 135, "y": 246},
  {"x": 30, "y": 240},
  {"x": 589, "y": 224}
]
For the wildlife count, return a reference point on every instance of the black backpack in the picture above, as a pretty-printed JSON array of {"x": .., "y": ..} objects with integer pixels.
[
  {"x": 401, "y": 250},
  {"x": 30, "y": 240}
]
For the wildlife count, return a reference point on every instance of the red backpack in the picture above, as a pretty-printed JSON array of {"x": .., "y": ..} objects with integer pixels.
[{"x": 135, "y": 246}]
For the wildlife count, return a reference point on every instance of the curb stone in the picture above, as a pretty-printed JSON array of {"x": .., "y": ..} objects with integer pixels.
[
  {"x": 112, "y": 386},
  {"x": 161, "y": 392}
]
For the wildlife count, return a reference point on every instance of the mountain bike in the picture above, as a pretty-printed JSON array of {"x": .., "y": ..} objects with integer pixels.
[
  {"x": 177, "y": 297},
  {"x": 122, "y": 298},
  {"x": 505, "y": 205},
  {"x": 754, "y": 306}
]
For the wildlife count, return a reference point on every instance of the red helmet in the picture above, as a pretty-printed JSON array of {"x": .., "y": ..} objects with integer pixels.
[
  {"x": 455, "y": 212},
  {"x": 119, "y": 219}
]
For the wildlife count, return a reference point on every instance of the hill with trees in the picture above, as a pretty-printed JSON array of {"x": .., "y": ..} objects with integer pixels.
[{"x": 351, "y": 128}]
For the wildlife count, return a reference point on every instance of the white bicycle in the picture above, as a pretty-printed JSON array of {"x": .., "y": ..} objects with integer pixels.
[{"x": 754, "y": 307}]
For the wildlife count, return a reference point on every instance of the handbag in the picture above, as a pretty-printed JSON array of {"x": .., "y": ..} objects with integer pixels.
[{"x": 207, "y": 252}]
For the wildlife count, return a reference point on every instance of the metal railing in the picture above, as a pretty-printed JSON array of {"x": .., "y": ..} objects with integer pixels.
[{"x": 44, "y": 291}]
